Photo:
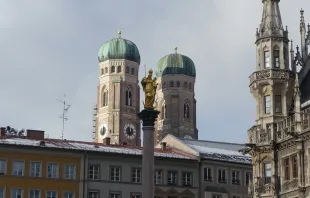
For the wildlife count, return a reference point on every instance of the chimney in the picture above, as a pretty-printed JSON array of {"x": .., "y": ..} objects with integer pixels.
[
  {"x": 164, "y": 146},
  {"x": 2, "y": 131},
  {"x": 106, "y": 141},
  {"x": 35, "y": 134}
]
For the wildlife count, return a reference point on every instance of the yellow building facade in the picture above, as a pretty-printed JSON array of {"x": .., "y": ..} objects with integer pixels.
[{"x": 36, "y": 171}]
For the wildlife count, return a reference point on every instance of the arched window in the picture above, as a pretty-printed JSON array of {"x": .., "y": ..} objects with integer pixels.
[
  {"x": 102, "y": 71},
  {"x": 164, "y": 111},
  {"x": 112, "y": 69},
  {"x": 178, "y": 83},
  {"x": 185, "y": 84},
  {"x": 171, "y": 84},
  {"x": 127, "y": 70},
  {"x": 119, "y": 69},
  {"x": 106, "y": 70},
  {"x": 132, "y": 71},
  {"x": 190, "y": 85},
  {"x": 128, "y": 97},
  {"x": 186, "y": 110},
  {"x": 104, "y": 97}
]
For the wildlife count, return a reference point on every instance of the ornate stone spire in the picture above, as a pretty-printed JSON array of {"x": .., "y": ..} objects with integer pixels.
[{"x": 271, "y": 24}]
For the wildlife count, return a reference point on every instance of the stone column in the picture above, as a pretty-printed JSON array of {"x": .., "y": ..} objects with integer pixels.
[{"x": 148, "y": 117}]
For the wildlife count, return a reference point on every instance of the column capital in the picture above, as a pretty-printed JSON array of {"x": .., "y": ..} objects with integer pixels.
[{"x": 148, "y": 117}]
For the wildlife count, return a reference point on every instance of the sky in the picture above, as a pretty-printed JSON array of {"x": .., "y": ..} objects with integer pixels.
[{"x": 49, "y": 48}]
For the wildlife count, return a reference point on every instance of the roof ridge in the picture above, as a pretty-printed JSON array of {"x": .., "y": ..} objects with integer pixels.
[{"x": 212, "y": 141}]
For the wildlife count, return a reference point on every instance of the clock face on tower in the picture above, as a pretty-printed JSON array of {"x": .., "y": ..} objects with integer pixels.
[
  {"x": 102, "y": 130},
  {"x": 129, "y": 131},
  {"x": 187, "y": 137}
]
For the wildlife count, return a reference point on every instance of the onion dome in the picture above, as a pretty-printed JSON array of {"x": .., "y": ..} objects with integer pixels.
[
  {"x": 119, "y": 48},
  {"x": 175, "y": 64}
]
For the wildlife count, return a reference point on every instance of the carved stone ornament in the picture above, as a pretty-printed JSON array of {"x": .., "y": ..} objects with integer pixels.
[{"x": 290, "y": 185}]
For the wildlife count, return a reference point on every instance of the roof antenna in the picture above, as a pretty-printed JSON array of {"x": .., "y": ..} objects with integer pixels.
[{"x": 63, "y": 116}]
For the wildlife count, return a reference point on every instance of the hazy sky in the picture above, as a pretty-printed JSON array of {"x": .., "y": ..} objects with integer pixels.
[{"x": 49, "y": 48}]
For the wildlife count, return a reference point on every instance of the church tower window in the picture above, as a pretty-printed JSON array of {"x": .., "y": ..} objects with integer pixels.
[
  {"x": 127, "y": 70},
  {"x": 278, "y": 104},
  {"x": 104, "y": 97},
  {"x": 164, "y": 85},
  {"x": 186, "y": 110},
  {"x": 267, "y": 59},
  {"x": 190, "y": 85},
  {"x": 171, "y": 84},
  {"x": 102, "y": 71},
  {"x": 112, "y": 69},
  {"x": 276, "y": 59},
  {"x": 185, "y": 84},
  {"x": 128, "y": 97},
  {"x": 106, "y": 70},
  {"x": 119, "y": 69},
  {"x": 132, "y": 71},
  {"x": 178, "y": 83},
  {"x": 267, "y": 104},
  {"x": 164, "y": 111}
]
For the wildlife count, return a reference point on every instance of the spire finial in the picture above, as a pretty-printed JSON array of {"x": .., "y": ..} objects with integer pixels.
[
  {"x": 176, "y": 49},
  {"x": 119, "y": 34},
  {"x": 292, "y": 46}
]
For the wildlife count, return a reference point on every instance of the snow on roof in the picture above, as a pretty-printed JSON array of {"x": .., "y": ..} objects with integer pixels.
[
  {"x": 223, "y": 151},
  {"x": 89, "y": 146}
]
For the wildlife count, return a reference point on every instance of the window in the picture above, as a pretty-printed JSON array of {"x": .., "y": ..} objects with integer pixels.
[
  {"x": 207, "y": 174},
  {"x": 102, "y": 71},
  {"x": 52, "y": 170},
  {"x": 132, "y": 71},
  {"x": 112, "y": 69},
  {"x": 221, "y": 177},
  {"x": 2, "y": 166},
  {"x": 278, "y": 104},
  {"x": 172, "y": 177},
  {"x": 93, "y": 172},
  {"x": 18, "y": 168},
  {"x": 115, "y": 174},
  {"x": 34, "y": 194},
  {"x": 267, "y": 59},
  {"x": 164, "y": 85},
  {"x": 2, "y": 192},
  {"x": 185, "y": 84},
  {"x": 128, "y": 97},
  {"x": 267, "y": 104},
  {"x": 16, "y": 193},
  {"x": 248, "y": 178},
  {"x": 68, "y": 195},
  {"x": 216, "y": 196},
  {"x": 119, "y": 69},
  {"x": 127, "y": 70},
  {"x": 178, "y": 83},
  {"x": 286, "y": 165},
  {"x": 35, "y": 169},
  {"x": 187, "y": 179},
  {"x": 104, "y": 97},
  {"x": 236, "y": 196},
  {"x": 115, "y": 195},
  {"x": 267, "y": 173},
  {"x": 136, "y": 195},
  {"x": 294, "y": 166},
  {"x": 186, "y": 110},
  {"x": 171, "y": 84},
  {"x": 235, "y": 177},
  {"x": 276, "y": 59},
  {"x": 136, "y": 175},
  {"x": 164, "y": 111},
  {"x": 106, "y": 70},
  {"x": 70, "y": 171},
  {"x": 51, "y": 194},
  {"x": 190, "y": 85},
  {"x": 93, "y": 194},
  {"x": 158, "y": 177}
]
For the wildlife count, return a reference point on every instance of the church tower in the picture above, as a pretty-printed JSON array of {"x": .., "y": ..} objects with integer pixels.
[
  {"x": 176, "y": 101},
  {"x": 118, "y": 93},
  {"x": 272, "y": 86}
]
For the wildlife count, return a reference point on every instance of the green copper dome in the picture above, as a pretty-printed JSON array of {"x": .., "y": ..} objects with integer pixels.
[
  {"x": 175, "y": 64},
  {"x": 119, "y": 48}
]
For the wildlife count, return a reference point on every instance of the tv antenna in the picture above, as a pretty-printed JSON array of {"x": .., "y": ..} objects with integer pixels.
[{"x": 63, "y": 116}]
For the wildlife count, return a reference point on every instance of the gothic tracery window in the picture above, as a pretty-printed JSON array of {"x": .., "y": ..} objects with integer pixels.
[
  {"x": 186, "y": 110},
  {"x": 104, "y": 97},
  {"x": 128, "y": 97}
]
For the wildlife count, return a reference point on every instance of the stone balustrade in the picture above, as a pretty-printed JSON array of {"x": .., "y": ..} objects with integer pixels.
[{"x": 272, "y": 74}]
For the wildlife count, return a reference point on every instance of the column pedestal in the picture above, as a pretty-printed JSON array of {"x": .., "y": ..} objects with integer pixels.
[{"x": 148, "y": 117}]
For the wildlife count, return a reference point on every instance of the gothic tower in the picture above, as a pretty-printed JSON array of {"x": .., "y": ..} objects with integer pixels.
[
  {"x": 176, "y": 101},
  {"x": 272, "y": 86},
  {"x": 118, "y": 93}
]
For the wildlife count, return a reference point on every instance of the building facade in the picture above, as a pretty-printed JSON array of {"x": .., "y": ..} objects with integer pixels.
[
  {"x": 28, "y": 170},
  {"x": 118, "y": 93},
  {"x": 279, "y": 141},
  {"x": 224, "y": 172},
  {"x": 176, "y": 74}
]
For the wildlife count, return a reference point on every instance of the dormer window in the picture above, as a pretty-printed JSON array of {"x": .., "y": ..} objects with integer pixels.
[
  {"x": 276, "y": 59},
  {"x": 267, "y": 59}
]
